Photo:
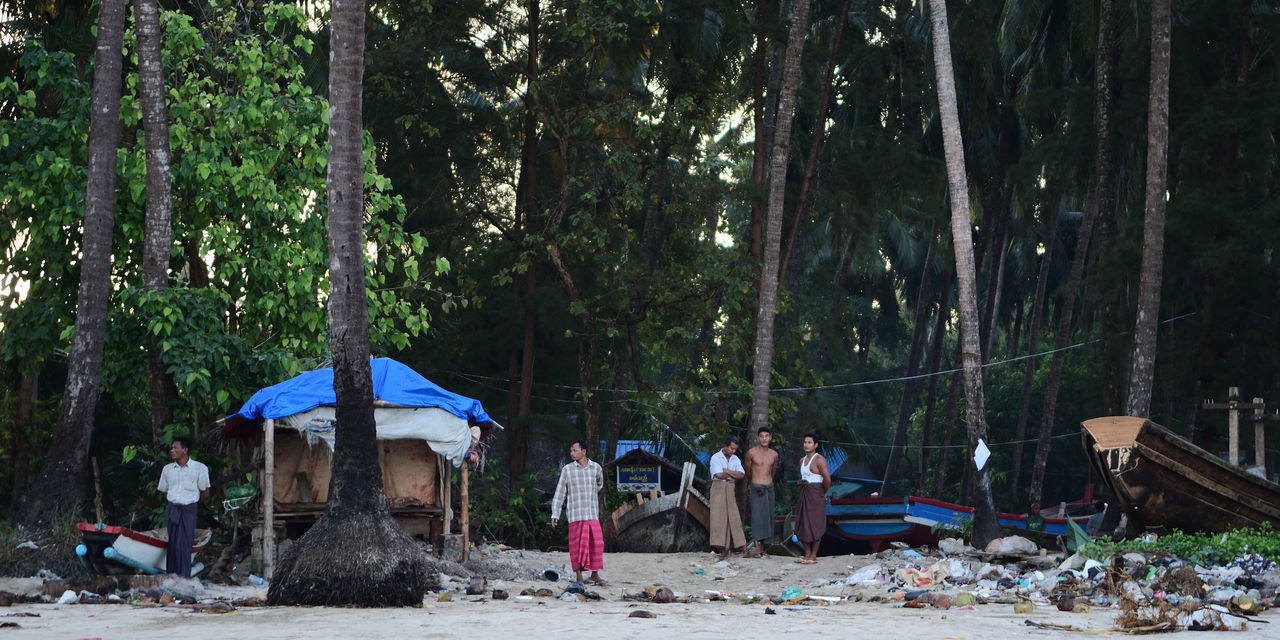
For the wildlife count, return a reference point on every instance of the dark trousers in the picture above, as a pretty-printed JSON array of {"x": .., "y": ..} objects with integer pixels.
[{"x": 182, "y": 532}]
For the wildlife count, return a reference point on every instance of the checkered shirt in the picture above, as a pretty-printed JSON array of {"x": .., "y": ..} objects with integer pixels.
[{"x": 578, "y": 487}]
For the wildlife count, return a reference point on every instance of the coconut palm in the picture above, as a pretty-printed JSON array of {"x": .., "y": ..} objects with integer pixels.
[
  {"x": 779, "y": 157},
  {"x": 59, "y": 489},
  {"x": 159, "y": 235},
  {"x": 391, "y": 569},
  {"x": 985, "y": 526},
  {"x": 1143, "y": 367}
]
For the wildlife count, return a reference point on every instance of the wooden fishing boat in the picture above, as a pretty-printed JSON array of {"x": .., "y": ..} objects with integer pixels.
[
  {"x": 1164, "y": 482},
  {"x": 111, "y": 550},
  {"x": 662, "y": 523},
  {"x": 912, "y": 520}
]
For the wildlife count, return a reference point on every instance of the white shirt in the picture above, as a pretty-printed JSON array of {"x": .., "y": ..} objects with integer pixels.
[
  {"x": 183, "y": 484},
  {"x": 806, "y": 469},
  {"x": 719, "y": 463}
]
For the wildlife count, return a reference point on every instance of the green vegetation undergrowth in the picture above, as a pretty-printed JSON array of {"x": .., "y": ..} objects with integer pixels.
[{"x": 1200, "y": 548}]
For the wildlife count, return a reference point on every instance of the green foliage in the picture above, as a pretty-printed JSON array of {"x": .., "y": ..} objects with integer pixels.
[
  {"x": 250, "y": 259},
  {"x": 1201, "y": 548},
  {"x": 515, "y": 516}
]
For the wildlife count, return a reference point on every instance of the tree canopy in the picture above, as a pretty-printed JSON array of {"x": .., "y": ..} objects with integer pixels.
[{"x": 563, "y": 193}]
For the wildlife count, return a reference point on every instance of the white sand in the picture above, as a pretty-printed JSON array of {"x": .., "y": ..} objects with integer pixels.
[{"x": 482, "y": 617}]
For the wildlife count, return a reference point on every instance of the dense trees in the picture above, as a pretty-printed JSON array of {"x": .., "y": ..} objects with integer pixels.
[{"x": 591, "y": 181}]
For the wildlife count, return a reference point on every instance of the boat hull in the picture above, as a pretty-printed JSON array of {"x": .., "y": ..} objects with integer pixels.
[
  {"x": 1165, "y": 483},
  {"x": 912, "y": 520}
]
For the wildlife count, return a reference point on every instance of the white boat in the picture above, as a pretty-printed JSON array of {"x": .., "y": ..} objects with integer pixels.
[{"x": 112, "y": 550}]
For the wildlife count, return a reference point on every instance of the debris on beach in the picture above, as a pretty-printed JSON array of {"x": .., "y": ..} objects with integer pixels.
[{"x": 1150, "y": 590}]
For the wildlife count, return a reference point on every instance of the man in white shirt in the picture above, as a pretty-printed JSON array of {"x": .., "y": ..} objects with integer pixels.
[
  {"x": 184, "y": 483},
  {"x": 726, "y": 522}
]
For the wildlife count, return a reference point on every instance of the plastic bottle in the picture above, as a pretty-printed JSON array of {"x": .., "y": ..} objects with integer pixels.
[{"x": 256, "y": 579}]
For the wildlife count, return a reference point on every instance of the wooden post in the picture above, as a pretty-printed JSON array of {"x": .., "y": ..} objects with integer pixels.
[
  {"x": 1233, "y": 428},
  {"x": 465, "y": 519},
  {"x": 97, "y": 488},
  {"x": 269, "y": 499},
  {"x": 1234, "y": 407},
  {"x": 1259, "y": 439}
]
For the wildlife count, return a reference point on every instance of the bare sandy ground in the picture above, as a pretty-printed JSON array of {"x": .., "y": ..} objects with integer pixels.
[{"x": 533, "y": 618}]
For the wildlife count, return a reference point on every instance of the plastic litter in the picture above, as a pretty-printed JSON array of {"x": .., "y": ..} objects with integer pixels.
[{"x": 869, "y": 574}]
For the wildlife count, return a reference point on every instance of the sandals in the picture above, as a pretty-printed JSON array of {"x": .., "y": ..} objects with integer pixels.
[
  {"x": 598, "y": 582},
  {"x": 804, "y": 561}
]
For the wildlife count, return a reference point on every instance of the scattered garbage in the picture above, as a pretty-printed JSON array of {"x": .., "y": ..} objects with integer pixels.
[
  {"x": 1012, "y": 545},
  {"x": 869, "y": 574}
]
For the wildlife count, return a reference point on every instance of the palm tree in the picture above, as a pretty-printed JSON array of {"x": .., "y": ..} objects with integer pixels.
[
  {"x": 391, "y": 569},
  {"x": 1097, "y": 207},
  {"x": 773, "y": 218},
  {"x": 159, "y": 233},
  {"x": 1144, "y": 332},
  {"x": 985, "y": 526},
  {"x": 59, "y": 489}
]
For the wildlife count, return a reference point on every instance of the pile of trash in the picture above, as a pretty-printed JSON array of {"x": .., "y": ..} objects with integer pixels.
[
  {"x": 171, "y": 591},
  {"x": 1152, "y": 591}
]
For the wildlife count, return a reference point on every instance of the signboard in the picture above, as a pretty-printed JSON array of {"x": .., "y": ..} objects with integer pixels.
[{"x": 639, "y": 478}]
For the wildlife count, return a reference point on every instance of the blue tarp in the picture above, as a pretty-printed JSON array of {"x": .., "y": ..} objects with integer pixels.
[
  {"x": 626, "y": 446},
  {"x": 393, "y": 383}
]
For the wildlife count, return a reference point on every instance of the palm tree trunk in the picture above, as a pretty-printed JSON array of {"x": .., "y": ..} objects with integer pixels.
[
  {"x": 1113, "y": 370},
  {"x": 910, "y": 388},
  {"x": 948, "y": 425},
  {"x": 815, "y": 144},
  {"x": 59, "y": 488},
  {"x": 931, "y": 397},
  {"x": 763, "y": 361},
  {"x": 526, "y": 209},
  {"x": 757, "y": 120},
  {"x": 159, "y": 233},
  {"x": 985, "y": 526},
  {"x": 1033, "y": 344},
  {"x": 1098, "y": 206},
  {"x": 1142, "y": 373},
  {"x": 391, "y": 569}
]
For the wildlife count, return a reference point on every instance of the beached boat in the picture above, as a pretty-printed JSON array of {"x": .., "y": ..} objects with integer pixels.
[
  {"x": 664, "y": 522},
  {"x": 111, "y": 550},
  {"x": 1164, "y": 482},
  {"x": 912, "y": 520}
]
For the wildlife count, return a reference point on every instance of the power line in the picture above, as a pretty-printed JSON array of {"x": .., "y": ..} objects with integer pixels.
[{"x": 485, "y": 380}]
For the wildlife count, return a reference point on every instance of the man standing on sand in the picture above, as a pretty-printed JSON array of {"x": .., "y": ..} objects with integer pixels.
[
  {"x": 184, "y": 483},
  {"x": 811, "y": 513},
  {"x": 726, "y": 522},
  {"x": 578, "y": 491},
  {"x": 762, "y": 464}
]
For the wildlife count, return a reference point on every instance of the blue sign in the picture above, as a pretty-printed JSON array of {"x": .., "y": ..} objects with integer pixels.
[{"x": 634, "y": 478}]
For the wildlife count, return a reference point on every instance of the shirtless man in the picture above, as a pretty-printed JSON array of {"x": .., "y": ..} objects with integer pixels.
[{"x": 762, "y": 464}]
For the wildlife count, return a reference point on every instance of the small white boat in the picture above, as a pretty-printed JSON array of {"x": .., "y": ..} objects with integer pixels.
[{"x": 112, "y": 550}]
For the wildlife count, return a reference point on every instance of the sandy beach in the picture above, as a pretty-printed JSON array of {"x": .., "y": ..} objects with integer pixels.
[{"x": 863, "y": 609}]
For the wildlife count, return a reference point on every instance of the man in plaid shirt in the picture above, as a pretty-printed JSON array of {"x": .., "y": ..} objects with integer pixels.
[{"x": 579, "y": 486}]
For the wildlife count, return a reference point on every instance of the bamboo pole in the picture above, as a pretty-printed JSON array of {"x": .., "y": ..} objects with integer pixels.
[
  {"x": 1259, "y": 439},
  {"x": 1233, "y": 429},
  {"x": 466, "y": 513},
  {"x": 269, "y": 499}
]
